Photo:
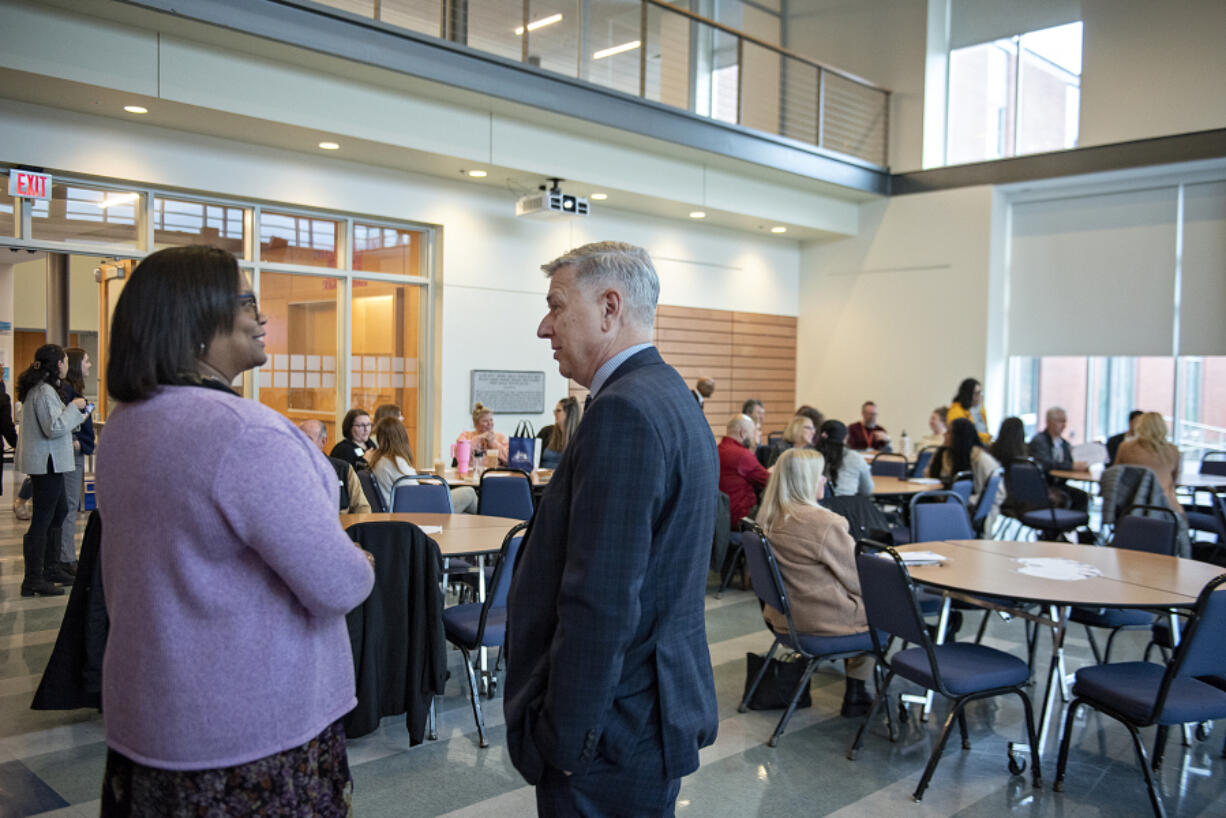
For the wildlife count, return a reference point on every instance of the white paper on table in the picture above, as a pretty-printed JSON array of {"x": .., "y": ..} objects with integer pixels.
[
  {"x": 1090, "y": 453},
  {"x": 1056, "y": 568},
  {"x": 919, "y": 557},
  {"x": 431, "y": 529},
  {"x": 925, "y": 481}
]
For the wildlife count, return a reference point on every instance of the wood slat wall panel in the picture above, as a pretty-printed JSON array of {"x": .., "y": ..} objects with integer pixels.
[
  {"x": 740, "y": 328},
  {"x": 764, "y": 318},
  {"x": 693, "y": 312},
  {"x": 693, "y": 323},
  {"x": 743, "y": 338},
  {"x": 691, "y": 336}
]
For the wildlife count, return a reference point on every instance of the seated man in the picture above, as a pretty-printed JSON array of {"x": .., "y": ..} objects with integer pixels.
[
  {"x": 353, "y": 499},
  {"x": 1113, "y": 442},
  {"x": 740, "y": 473},
  {"x": 1051, "y": 451},
  {"x": 755, "y": 411},
  {"x": 865, "y": 433}
]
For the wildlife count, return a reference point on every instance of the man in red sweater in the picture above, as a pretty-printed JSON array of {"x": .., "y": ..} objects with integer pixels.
[
  {"x": 865, "y": 433},
  {"x": 739, "y": 471}
]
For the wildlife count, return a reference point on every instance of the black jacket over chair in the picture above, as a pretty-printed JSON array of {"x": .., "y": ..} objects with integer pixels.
[
  {"x": 73, "y": 677},
  {"x": 399, "y": 651}
]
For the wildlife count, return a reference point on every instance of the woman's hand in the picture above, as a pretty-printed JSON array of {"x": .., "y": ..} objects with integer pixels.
[{"x": 79, "y": 403}]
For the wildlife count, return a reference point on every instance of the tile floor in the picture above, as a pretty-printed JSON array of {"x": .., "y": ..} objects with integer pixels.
[{"x": 51, "y": 762}]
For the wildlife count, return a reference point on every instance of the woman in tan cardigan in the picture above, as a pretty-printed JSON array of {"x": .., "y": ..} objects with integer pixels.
[
  {"x": 1149, "y": 447},
  {"x": 816, "y": 557}
]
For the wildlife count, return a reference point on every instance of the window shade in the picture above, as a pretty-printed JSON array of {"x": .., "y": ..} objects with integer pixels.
[
  {"x": 981, "y": 21},
  {"x": 1202, "y": 309}
]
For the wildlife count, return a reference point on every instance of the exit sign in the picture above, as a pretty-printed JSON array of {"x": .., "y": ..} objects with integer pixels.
[{"x": 29, "y": 185}]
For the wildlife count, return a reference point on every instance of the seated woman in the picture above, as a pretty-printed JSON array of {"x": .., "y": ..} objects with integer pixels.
[
  {"x": 937, "y": 426},
  {"x": 798, "y": 434},
  {"x": 1149, "y": 447},
  {"x": 816, "y": 556},
  {"x": 1010, "y": 442},
  {"x": 565, "y": 422},
  {"x": 482, "y": 435},
  {"x": 355, "y": 439},
  {"x": 847, "y": 470},
  {"x": 964, "y": 451},
  {"x": 968, "y": 403},
  {"x": 393, "y": 459}
]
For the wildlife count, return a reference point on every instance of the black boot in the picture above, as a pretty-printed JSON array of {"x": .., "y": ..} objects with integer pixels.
[
  {"x": 856, "y": 700},
  {"x": 33, "y": 548},
  {"x": 52, "y": 572}
]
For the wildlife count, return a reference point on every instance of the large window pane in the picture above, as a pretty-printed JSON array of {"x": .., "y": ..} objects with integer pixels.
[
  {"x": 386, "y": 357},
  {"x": 177, "y": 223},
  {"x": 553, "y": 35},
  {"x": 491, "y": 27},
  {"x": 668, "y": 57},
  {"x": 614, "y": 39},
  {"x": 291, "y": 239},
  {"x": 378, "y": 249},
  {"x": 419, "y": 15},
  {"x": 300, "y": 378},
  {"x": 1202, "y": 407},
  {"x": 1050, "y": 92},
  {"x": 981, "y": 84},
  {"x": 1062, "y": 382},
  {"x": 86, "y": 215}
]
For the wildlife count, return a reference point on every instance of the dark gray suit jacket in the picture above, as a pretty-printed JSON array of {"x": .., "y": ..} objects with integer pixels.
[{"x": 606, "y": 643}]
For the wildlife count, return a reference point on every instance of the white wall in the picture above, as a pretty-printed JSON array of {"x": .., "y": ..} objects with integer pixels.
[
  {"x": 899, "y": 314},
  {"x": 493, "y": 295}
]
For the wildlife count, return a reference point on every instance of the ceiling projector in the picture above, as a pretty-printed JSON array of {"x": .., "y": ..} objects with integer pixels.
[{"x": 551, "y": 202}]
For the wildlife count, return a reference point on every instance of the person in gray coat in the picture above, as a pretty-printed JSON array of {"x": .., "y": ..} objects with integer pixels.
[{"x": 44, "y": 451}]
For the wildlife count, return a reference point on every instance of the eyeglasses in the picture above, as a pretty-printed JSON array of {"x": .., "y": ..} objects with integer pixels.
[
  {"x": 248, "y": 302},
  {"x": 361, "y": 425}
]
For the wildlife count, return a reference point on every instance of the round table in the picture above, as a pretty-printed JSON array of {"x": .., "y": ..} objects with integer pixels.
[
  {"x": 883, "y": 485},
  {"x": 462, "y": 534},
  {"x": 540, "y": 478},
  {"x": 973, "y": 569}
]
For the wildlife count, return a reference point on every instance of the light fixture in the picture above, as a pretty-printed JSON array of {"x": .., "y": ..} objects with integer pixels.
[
  {"x": 598, "y": 197},
  {"x": 329, "y": 146},
  {"x": 779, "y": 229},
  {"x": 136, "y": 109},
  {"x": 541, "y": 23},
  {"x": 617, "y": 49},
  {"x": 117, "y": 199},
  {"x": 478, "y": 174},
  {"x": 697, "y": 214}
]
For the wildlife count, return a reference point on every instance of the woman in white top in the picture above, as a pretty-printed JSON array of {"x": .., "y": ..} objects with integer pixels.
[
  {"x": 392, "y": 459},
  {"x": 846, "y": 471}
]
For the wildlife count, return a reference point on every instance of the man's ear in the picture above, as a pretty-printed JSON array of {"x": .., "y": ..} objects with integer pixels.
[{"x": 611, "y": 305}]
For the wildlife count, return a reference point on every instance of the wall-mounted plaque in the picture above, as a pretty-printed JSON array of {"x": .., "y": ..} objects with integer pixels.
[{"x": 509, "y": 392}]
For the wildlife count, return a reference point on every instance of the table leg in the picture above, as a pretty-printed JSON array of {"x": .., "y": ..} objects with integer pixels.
[
  {"x": 1173, "y": 618},
  {"x": 483, "y": 658},
  {"x": 1055, "y": 672},
  {"x": 926, "y": 699}
]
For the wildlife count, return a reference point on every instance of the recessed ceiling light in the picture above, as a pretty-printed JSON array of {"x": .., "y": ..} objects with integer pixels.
[
  {"x": 329, "y": 146},
  {"x": 136, "y": 109},
  {"x": 697, "y": 214},
  {"x": 478, "y": 174},
  {"x": 617, "y": 49},
  {"x": 779, "y": 229},
  {"x": 598, "y": 197}
]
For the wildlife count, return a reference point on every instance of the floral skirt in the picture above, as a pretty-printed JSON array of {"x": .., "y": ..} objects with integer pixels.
[{"x": 311, "y": 780}]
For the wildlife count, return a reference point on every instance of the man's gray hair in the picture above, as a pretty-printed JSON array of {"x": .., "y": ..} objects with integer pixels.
[
  {"x": 1055, "y": 412},
  {"x": 615, "y": 263}
]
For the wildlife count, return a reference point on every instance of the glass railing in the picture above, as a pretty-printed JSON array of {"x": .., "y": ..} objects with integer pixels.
[{"x": 653, "y": 50}]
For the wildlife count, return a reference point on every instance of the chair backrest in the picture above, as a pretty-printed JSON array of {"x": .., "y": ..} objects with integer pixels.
[
  {"x": 421, "y": 493},
  {"x": 923, "y": 459},
  {"x": 862, "y": 514},
  {"x": 987, "y": 499},
  {"x": 1155, "y": 530},
  {"x": 1026, "y": 485},
  {"x": 763, "y": 454},
  {"x": 371, "y": 491},
  {"x": 771, "y": 437},
  {"x": 940, "y": 515},
  {"x": 889, "y": 464},
  {"x": 963, "y": 484},
  {"x": 505, "y": 493},
  {"x": 500, "y": 582},
  {"x": 889, "y": 598},
  {"x": 763, "y": 569},
  {"x": 1213, "y": 463},
  {"x": 1200, "y": 650}
]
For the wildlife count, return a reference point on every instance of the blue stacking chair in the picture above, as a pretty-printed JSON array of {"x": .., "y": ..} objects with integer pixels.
[
  {"x": 1144, "y": 694},
  {"x": 475, "y": 625},
  {"x": 962, "y": 672},
  {"x": 768, "y": 585},
  {"x": 923, "y": 459},
  {"x": 1157, "y": 535},
  {"x": 939, "y": 515},
  {"x": 421, "y": 493},
  {"x": 963, "y": 485},
  {"x": 1213, "y": 463},
  {"x": 984, "y": 507},
  {"x": 505, "y": 493},
  {"x": 889, "y": 464},
  {"x": 1031, "y": 504},
  {"x": 373, "y": 496}
]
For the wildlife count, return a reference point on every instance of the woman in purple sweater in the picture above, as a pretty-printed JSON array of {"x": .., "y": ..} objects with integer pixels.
[{"x": 227, "y": 574}]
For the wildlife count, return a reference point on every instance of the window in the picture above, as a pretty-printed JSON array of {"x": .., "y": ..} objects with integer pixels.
[
  {"x": 1015, "y": 95},
  {"x": 86, "y": 215},
  {"x": 299, "y": 239},
  {"x": 177, "y": 223}
]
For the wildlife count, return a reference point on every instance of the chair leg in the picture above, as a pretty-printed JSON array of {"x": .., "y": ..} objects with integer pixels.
[
  {"x": 1098, "y": 657},
  {"x": 1065, "y": 736},
  {"x": 744, "y": 705},
  {"x": 475, "y": 696},
  {"x": 1155, "y": 798},
  {"x": 787, "y": 714},
  {"x": 935, "y": 758},
  {"x": 1160, "y": 737},
  {"x": 1032, "y": 738},
  {"x": 882, "y": 696},
  {"x": 879, "y": 685},
  {"x": 966, "y": 738},
  {"x": 738, "y": 556},
  {"x": 983, "y": 627},
  {"x": 1110, "y": 643}
]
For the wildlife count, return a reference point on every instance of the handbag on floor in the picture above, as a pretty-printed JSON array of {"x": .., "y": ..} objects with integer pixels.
[{"x": 778, "y": 683}]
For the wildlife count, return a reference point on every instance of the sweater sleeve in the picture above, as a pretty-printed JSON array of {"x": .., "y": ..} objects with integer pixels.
[
  {"x": 54, "y": 417},
  {"x": 837, "y": 553},
  {"x": 864, "y": 485},
  {"x": 288, "y": 517}
]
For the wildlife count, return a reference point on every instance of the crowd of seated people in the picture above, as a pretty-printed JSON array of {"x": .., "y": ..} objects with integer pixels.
[
  {"x": 483, "y": 437},
  {"x": 392, "y": 459}
]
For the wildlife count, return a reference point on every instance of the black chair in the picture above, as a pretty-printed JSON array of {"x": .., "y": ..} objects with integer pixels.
[
  {"x": 771, "y": 437},
  {"x": 768, "y": 585},
  {"x": 1211, "y": 519},
  {"x": 1213, "y": 463},
  {"x": 923, "y": 459},
  {"x": 505, "y": 493},
  {"x": 763, "y": 454},
  {"x": 371, "y": 491},
  {"x": 1028, "y": 497},
  {"x": 889, "y": 464},
  {"x": 1144, "y": 694},
  {"x": 1156, "y": 534},
  {"x": 961, "y": 671}
]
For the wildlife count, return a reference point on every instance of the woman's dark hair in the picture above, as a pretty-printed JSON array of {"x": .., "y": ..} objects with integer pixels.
[
  {"x": 966, "y": 393},
  {"x": 350, "y": 418},
  {"x": 812, "y": 414},
  {"x": 45, "y": 369},
  {"x": 830, "y": 444},
  {"x": 387, "y": 410},
  {"x": 75, "y": 377},
  {"x": 176, "y": 301},
  {"x": 962, "y": 440},
  {"x": 1010, "y": 441},
  {"x": 560, "y": 437}
]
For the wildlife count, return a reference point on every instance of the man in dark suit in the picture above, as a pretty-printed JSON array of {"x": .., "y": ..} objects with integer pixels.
[
  {"x": 1051, "y": 451},
  {"x": 1113, "y": 442},
  {"x": 609, "y": 691}
]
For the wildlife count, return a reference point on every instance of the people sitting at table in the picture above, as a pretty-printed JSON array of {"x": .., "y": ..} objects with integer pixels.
[
  {"x": 392, "y": 459},
  {"x": 964, "y": 452},
  {"x": 968, "y": 403},
  {"x": 483, "y": 437},
  {"x": 556, "y": 436},
  {"x": 1149, "y": 447},
  {"x": 355, "y": 438},
  {"x": 800, "y": 433},
  {"x": 741, "y": 476},
  {"x": 1010, "y": 442},
  {"x": 755, "y": 410},
  {"x": 1113, "y": 442},
  {"x": 847, "y": 471},
  {"x": 352, "y": 498},
  {"x": 1051, "y": 451},
  {"x": 865, "y": 433},
  {"x": 936, "y": 429},
  {"x": 816, "y": 556}
]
